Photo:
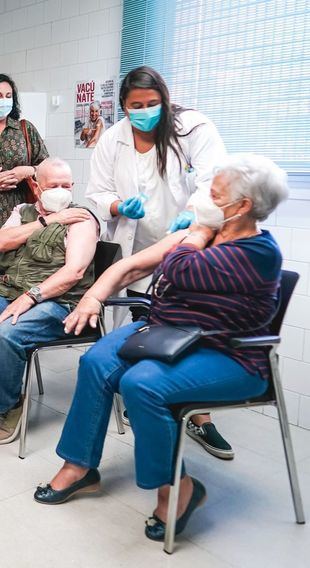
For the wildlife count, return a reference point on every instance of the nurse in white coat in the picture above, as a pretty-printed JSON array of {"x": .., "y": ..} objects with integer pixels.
[
  {"x": 144, "y": 172},
  {"x": 159, "y": 150}
]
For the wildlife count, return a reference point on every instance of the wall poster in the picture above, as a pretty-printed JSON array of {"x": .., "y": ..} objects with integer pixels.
[{"x": 94, "y": 111}]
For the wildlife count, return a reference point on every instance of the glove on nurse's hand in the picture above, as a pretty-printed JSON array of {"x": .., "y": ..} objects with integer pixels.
[
  {"x": 183, "y": 220},
  {"x": 132, "y": 208}
]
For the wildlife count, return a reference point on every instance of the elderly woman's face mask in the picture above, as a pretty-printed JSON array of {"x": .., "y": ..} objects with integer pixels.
[
  {"x": 210, "y": 211},
  {"x": 209, "y": 214}
]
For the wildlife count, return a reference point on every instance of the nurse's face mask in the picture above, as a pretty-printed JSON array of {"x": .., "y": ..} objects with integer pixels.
[{"x": 145, "y": 119}]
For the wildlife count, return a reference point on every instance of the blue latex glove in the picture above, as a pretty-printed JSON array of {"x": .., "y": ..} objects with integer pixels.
[
  {"x": 183, "y": 220},
  {"x": 132, "y": 208}
]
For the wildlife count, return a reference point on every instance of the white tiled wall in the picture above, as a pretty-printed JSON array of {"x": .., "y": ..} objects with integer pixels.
[
  {"x": 48, "y": 46},
  {"x": 291, "y": 227}
]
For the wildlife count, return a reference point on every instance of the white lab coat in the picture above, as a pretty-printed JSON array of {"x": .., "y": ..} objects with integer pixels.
[{"x": 113, "y": 173}]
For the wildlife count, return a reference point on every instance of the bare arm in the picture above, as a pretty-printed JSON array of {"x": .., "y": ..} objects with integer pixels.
[
  {"x": 95, "y": 136},
  {"x": 84, "y": 134},
  {"x": 12, "y": 238},
  {"x": 81, "y": 245},
  {"x": 128, "y": 270},
  {"x": 118, "y": 276}
]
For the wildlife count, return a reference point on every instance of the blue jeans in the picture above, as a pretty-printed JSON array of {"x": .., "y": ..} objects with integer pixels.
[
  {"x": 148, "y": 387},
  {"x": 41, "y": 323}
]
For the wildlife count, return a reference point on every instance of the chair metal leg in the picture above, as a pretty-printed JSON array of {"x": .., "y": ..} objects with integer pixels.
[
  {"x": 287, "y": 442},
  {"x": 26, "y": 404},
  {"x": 174, "y": 491},
  {"x": 38, "y": 372},
  {"x": 118, "y": 411}
]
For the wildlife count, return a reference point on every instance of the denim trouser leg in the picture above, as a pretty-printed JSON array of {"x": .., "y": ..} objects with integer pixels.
[
  {"x": 99, "y": 374},
  {"x": 41, "y": 323},
  {"x": 148, "y": 387}
]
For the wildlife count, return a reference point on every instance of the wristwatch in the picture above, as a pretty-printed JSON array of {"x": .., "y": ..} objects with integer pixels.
[
  {"x": 42, "y": 221},
  {"x": 35, "y": 294}
]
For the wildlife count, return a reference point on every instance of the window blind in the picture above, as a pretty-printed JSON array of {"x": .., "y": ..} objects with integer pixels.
[{"x": 244, "y": 63}]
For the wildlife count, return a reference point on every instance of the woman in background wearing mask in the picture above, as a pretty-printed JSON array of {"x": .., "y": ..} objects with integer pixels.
[
  {"x": 225, "y": 277},
  {"x": 14, "y": 162},
  {"x": 143, "y": 174}
]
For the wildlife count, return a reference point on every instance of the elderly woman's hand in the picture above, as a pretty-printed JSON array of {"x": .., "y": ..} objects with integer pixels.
[
  {"x": 199, "y": 235},
  {"x": 207, "y": 232},
  {"x": 86, "y": 312}
]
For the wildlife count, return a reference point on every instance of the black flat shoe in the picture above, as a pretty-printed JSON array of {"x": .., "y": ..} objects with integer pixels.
[
  {"x": 90, "y": 483},
  {"x": 155, "y": 528}
]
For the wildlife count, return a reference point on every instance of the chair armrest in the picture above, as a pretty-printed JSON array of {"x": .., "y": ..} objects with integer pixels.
[
  {"x": 264, "y": 340},
  {"x": 127, "y": 302}
]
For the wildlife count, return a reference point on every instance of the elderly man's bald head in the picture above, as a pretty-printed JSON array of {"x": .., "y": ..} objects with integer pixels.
[{"x": 54, "y": 172}]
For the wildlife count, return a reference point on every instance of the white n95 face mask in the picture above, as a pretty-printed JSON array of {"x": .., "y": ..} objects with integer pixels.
[
  {"x": 209, "y": 214},
  {"x": 56, "y": 199}
]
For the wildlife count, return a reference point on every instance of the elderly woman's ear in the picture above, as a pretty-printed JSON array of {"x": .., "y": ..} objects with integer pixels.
[{"x": 245, "y": 206}]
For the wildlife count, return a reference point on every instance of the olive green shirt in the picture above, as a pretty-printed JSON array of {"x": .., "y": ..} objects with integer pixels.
[
  {"x": 43, "y": 254},
  {"x": 13, "y": 152}
]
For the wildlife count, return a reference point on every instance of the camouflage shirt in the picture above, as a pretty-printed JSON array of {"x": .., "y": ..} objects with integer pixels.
[{"x": 13, "y": 152}]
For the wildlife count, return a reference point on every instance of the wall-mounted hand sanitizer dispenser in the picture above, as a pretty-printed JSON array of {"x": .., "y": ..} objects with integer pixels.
[{"x": 34, "y": 109}]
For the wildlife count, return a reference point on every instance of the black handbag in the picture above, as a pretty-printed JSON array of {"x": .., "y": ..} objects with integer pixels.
[
  {"x": 163, "y": 342},
  {"x": 168, "y": 342}
]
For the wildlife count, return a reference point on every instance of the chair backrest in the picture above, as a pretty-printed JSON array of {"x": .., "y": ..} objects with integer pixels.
[
  {"x": 289, "y": 280},
  {"x": 105, "y": 255}
]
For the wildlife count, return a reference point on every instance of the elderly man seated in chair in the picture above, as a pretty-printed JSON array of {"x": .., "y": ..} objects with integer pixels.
[{"x": 46, "y": 253}]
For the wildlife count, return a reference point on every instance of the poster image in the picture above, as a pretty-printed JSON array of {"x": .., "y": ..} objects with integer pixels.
[{"x": 94, "y": 111}]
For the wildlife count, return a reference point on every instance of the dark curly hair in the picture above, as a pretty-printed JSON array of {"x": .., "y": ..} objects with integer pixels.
[
  {"x": 168, "y": 127},
  {"x": 15, "y": 112}
]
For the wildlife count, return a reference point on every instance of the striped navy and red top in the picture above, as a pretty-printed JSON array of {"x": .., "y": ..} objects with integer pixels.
[{"x": 231, "y": 286}]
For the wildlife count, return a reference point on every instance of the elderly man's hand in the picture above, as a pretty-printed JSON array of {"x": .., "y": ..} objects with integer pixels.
[
  {"x": 68, "y": 216},
  {"x": 86, "y": 312},
  {"x": 16, "y": 308}
]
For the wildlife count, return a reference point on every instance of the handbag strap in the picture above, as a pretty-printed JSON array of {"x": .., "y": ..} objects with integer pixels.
[
  {"x": 256, "y": 328},
  {"x": 156, "y": 280},
  {"x": 26, "y": 136}
]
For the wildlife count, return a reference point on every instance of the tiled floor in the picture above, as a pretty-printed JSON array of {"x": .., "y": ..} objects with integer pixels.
[{"x": 247, "y": 522}]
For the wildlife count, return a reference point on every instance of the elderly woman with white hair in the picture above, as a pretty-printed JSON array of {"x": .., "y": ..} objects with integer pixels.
[{"x": 223, "y": 274}]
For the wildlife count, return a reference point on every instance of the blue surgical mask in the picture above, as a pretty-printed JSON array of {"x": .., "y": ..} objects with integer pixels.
[
  {"x": 6, "y": 106},
  {"x": 145, "y": 119}
]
